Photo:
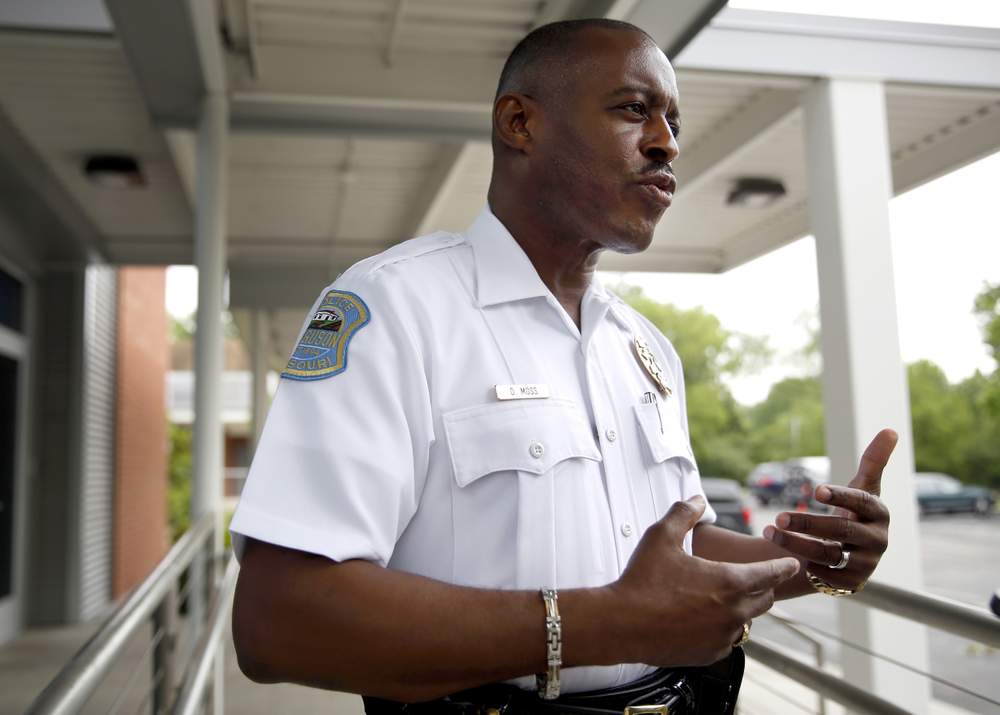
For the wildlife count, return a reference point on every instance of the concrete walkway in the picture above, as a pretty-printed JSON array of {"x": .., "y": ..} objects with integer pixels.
[{"x": 31, "y": 661}]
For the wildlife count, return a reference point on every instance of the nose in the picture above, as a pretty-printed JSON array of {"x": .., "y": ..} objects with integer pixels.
[{"x": 659, "y": 142}]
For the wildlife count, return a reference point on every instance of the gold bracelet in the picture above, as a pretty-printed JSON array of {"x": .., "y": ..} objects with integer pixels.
[{"x": 829, "y": 589}]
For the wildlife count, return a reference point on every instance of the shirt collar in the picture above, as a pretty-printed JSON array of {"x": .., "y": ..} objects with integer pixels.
[{"x": 504, "y": 273}]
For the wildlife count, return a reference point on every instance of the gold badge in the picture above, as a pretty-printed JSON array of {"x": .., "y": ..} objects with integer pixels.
[{"x": 645, "y": 357}]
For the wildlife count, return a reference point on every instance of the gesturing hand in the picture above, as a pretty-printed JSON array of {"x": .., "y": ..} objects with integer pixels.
[
  {"x": 678, "y": 609},
  {"x": 859, "y": 526}
]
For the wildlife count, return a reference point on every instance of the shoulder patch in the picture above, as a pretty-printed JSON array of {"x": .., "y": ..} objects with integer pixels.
[{"x": 322, "y": 349}]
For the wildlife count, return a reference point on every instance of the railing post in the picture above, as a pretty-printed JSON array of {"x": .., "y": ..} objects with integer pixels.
[
  {"x": 164, "y": 672},
  {"x": 210, "y": 254}
]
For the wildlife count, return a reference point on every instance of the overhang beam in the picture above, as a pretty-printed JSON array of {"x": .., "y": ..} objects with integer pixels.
[
  {"x": 38, "y": 201},
  {"x": 948, "y": 151},
  {"x": 427, "y": 207},
  {"x": 817, "y": 46},
  {"x": 673, "y": 25},
  {"x": 276, "y": 250},
  {"x": 183, "y": 150},
  {"x": 395, "y": 29},
  {"x": 740, "y": 132},
  {"x": 360, "y": 116},
  {"x": 159, "y": 42}
]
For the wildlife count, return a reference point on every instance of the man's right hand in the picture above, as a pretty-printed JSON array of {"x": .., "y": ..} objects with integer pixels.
[{"x": 679, "y": 609}]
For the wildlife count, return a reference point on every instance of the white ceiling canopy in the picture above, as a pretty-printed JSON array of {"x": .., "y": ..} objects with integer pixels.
[{"x": 359, "y": 123}]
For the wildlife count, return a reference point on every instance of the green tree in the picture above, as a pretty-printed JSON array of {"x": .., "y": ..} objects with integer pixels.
[
  {"x": 708, "y": 352},
  {"x": 182, "y": 328},
  {"x": 179, "y": 480},
  {"x": 982, "y": 395},
  {"x": 941, "y": 418},
  {"x": 789, "y": 422},
  {"x": 981, "y": 456},
  {"x": 987, "y": 308}
]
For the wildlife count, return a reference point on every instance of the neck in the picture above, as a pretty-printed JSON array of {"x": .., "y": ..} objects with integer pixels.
[{"x": 565, "y": 262}]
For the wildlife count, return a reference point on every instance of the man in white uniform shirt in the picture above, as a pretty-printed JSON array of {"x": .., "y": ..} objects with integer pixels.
[{"x": 470, "y": 418}]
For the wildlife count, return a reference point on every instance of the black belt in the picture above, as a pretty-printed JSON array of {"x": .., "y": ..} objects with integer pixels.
[{"x": 711, "y": 690}]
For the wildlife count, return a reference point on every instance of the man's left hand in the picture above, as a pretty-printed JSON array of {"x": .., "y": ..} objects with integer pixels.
[{"x": 859, "y": 523}]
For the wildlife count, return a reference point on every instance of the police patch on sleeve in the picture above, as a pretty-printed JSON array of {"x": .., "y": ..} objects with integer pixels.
[{"x": 322, "y": 349}]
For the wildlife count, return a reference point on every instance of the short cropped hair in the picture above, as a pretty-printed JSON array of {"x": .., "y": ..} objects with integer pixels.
[{"x": 545, "y": 48}]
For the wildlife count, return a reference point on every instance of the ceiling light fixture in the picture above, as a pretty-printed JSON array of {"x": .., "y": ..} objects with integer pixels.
[
  {"x": 755, "y": 192},
  {"x": 114, "y": 171}
]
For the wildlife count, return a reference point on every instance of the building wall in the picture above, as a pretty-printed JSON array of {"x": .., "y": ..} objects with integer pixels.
[
  {"x": 55, "y": 447},
  {"x": 141, "y": 536}
]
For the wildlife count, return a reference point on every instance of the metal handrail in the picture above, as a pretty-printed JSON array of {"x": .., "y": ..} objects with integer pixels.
[
  {"x": 785, "y": 621},
  {"x": 197, "y": 677},
  {"x": 935, "y": 611},
  {"x": 830, "y": 686},
  {"x": 79, "y": 678}
]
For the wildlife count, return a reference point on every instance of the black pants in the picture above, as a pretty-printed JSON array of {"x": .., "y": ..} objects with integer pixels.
[{"x": 711, "y": 690}]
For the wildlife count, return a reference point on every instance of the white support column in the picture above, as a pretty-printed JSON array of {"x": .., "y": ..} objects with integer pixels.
[
  {"x": 258, "y": 364},
  {"x": 864, "y": 380},
  {"x": 210, "y": 257}
]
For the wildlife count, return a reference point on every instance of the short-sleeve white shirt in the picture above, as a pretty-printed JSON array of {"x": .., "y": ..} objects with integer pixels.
[{"x": 408, "y": 459}]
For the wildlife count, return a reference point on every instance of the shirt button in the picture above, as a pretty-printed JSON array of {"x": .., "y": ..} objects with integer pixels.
[
  {"x": 536, "y": 450},
  {"x": 626, "y": 529},
  {"x": 611, "y": 435}
]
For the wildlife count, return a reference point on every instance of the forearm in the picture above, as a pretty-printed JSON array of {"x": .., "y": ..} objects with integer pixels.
[
  {"x": 356, "y": 627},
  {"x": 717, "y": 544}
]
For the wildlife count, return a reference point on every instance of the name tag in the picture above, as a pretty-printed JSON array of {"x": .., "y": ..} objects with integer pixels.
[{"x": 522, "y": 392}]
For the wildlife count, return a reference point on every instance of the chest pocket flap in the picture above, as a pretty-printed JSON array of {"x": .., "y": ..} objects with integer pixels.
[
  {"x": 528, "y": 436},
  {"x": 661, "y": 430}
]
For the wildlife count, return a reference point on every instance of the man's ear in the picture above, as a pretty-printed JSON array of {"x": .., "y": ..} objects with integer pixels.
[{"x": 514, "y": 117}]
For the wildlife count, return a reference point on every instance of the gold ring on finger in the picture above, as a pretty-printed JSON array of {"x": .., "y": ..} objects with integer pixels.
[{"x": 744, "y": 636}]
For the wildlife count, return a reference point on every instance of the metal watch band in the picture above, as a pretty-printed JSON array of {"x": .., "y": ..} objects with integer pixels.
[
  {"x": 829, "y": 589},
  {"x": 548, "y": 682}
]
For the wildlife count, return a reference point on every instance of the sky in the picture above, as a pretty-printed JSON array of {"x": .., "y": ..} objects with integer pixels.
[{"x": 945, "y": 242}]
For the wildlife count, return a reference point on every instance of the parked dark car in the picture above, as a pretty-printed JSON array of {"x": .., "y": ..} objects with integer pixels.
[
  {"x": 942, "y": 493},
  {"x": 802, "y": 476},
  {"x": 726, "y": 497},
  {"x": 767, "y": 482}
]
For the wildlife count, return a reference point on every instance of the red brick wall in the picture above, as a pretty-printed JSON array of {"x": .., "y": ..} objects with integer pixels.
[{"x": 140, "y": 520}]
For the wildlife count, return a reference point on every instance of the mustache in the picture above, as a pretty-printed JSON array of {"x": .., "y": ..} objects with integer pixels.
[{"x": 657, "y": 168}]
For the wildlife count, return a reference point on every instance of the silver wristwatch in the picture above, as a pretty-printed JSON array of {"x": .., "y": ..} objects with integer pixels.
[{"x": 548, "y": 682}]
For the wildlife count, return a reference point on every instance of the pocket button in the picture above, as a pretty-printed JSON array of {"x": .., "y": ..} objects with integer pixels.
[{"x": 536, "y": 450}]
